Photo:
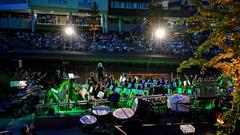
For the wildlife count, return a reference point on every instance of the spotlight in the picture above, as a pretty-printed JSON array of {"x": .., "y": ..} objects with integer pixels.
[
  {"x": 160, "y": 33},
  {"x": 69, "y": 30}
]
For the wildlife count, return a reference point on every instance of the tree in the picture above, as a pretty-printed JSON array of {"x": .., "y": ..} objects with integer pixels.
[
  {"x": 221, "y": 19},
  {"x": 94, "y": 26}
]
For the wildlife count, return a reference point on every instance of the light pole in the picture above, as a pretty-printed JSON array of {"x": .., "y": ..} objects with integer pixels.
[
  {"x": 69, "y": 31},
  {"x": 160, "y": 33}
]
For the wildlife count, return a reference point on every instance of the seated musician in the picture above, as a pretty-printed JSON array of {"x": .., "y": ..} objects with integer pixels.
[
  {"x": 84, "y": 94},
  {"x": 92, "y": 78},
  {"x": 96, "y": 90},
  {"x": 114, "y": 98}
]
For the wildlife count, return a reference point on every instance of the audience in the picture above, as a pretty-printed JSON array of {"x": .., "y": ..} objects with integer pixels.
[{"x": 108, "y": 43}]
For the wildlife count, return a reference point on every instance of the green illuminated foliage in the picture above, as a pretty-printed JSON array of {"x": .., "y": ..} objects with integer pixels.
[{"x": 221, "y": 19}]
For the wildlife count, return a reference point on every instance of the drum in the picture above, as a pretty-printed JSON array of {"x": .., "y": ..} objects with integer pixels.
[
  {"x": 88, "y": 122},
  {"x": 102, "y": 114},
  {"x": 123, "y": 113},
  {"x": 101, "y": 110}
]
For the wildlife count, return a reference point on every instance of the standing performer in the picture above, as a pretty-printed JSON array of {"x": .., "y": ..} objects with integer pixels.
[
  {"x": 100, "y": 72},
  {"x": 57, "y": 78}
]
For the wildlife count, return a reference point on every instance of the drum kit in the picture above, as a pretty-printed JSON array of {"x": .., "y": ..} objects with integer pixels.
[{"x": 100, "y": 114}]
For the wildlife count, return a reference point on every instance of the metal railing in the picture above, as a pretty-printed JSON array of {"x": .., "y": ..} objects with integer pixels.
[
  {"x": 78, "y": 107},
  {"x": 84, "y": 105}
]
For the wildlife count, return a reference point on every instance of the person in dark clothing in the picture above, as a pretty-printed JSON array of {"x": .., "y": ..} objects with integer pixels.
[
  {"x": 25, "y": 130},
  {"x": 114, "y": 98},
  {"x": 159, "y": 89},
  {"x": 100, "y": 72},
  {"x": 92, "y": 78},
  {"x": 57, "y": 78},
  {"x": 214, "y": 113}
]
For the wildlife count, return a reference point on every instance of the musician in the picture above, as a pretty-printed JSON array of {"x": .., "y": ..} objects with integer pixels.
[
  {"x": 92, "y": 79},
  {"x": 114, "y": 98},
  {"x": 110, "y": 81},
  {"x": 57, "y": 78},
  {"x": 123, "y": 78}
]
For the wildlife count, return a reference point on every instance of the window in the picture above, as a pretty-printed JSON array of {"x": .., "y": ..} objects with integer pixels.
[
  {"x": 122, "y": 4},
  {"x": 145, "y": 5},
  {"x": 118, "y": 4},
  {"x": 135, "y": 5},
  {"x": 128, "y": 5},
  {"x": 50, "y": 1},
  {"x": 125, "y": 4},
  {"x": 112, "y": 4},
  {"x": 64, "y": 2},
  {"x": 57, "y": 2},
  {"x": 139, "y": 5},
  {"x": 131, "y": 5}
]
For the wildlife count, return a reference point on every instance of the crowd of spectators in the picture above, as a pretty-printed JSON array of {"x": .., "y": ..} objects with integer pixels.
[
  {"x": 108, "y": 43},
  {"x": 51, "y": 41},
  {"x": 177, "y": 44},
  {"x": 113, "y": 43},
  {"x": 61, "y": 19},
  {"x": 24, "y": 16},
  {"x": 79, "y": 42},
  {"x": 46, "y": 19}
]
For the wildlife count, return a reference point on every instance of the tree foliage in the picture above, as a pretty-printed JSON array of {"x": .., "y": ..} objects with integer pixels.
[{"x": 220, "y": 18}]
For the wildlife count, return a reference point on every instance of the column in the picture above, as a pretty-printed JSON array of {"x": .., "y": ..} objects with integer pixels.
[
  {"x": 102, "y": 23},
  {"x": 70, "y": 19},
  {"x": 120, "y": 25},
  {"x": 106, "y": 23},
  {"x": 33, "y": 17}
]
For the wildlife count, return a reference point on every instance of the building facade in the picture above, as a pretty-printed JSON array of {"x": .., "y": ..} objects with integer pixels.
[{"x": 114, "y": 15}]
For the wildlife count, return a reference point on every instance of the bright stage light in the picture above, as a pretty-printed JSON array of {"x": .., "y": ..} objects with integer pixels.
[
  {"x": 160, "y": 33},
  {"x": 69, "y": 31}
]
